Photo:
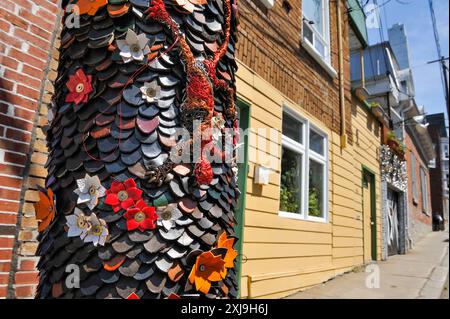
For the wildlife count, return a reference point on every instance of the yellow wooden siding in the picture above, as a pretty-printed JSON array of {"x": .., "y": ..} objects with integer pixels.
[{"x": 283, "y": 255}]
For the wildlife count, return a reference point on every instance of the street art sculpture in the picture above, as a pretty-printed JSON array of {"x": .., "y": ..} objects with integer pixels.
[{"x": 120, "y": 217}]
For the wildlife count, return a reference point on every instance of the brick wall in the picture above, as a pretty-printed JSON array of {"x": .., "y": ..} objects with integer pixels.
[
  {"x": 27, "y": 39},
  {"x": 419, "y": 222},
  {"x": 269, "y": 44}
]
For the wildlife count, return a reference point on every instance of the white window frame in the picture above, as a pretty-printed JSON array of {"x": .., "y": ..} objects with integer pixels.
[
  {"x": 424, "y": 190},
  {"x": 307, "y": 154},
  {"x": 414, "y": 178},
  {"x": 324, "y": 61}
]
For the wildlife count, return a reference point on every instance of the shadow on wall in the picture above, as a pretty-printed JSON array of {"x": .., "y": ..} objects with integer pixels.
[{"x": 10, "y": 134}]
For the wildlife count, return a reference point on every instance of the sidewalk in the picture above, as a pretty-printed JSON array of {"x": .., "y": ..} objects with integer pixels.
[{"x": 422, "y": 273}]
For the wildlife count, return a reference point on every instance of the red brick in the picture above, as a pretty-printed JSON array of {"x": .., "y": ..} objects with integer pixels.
[
  {"x": 14, "y": 146},
  {"x": 18, "y": 135},
  {"x": 24, "y": 4},
  {"x": 14, "y": 19},
  {"x": 11, "y": 182},
  {"x": 31, "y": 38},
  {"x": 14, "y": 99},
  {"x": 24, "y": 291},
  {"x": 11, "y": 170},
  {"x": 20, "y": 77},
  {"x": 32, "y": 71},
  {"x": 4, "y": 278},
  {"x": 30, "y": 93},
  {"x": 9, "y": 62},
  {"x": 7, "y": 85},
  {"x": 26, "y": 278},
  {"x": 7, "y": 5},
  {"x": 4, "y": 26},
  {"x": 6, "y": 242},
  {"x": 9, "y": 206},
  {"x": 27, "y": 265},
  {"x": 5, "y": 38},
  {"x": 34, "y": 51},
  {"x": 28, "y": 59},
  {"x": 24, "y": 114},
  {"x": 46, "y": 34},
  {"x": 50, "y": 6},
  {"x": 10, "y": 219},
  {"x": 48, "y": 16},
  {"x": 3, "y": 291},
  {"x": 16, "y": 159},
  {"x": 36, "y": 19},
  {"x": 15, "y": 122},
  {"x": 5, "y": 266},
  {"x": 5, "y": 254},
  {"x": 3, "y": 109}
]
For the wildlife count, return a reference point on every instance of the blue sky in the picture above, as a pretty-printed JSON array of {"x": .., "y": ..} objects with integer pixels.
[{"x": 415, "y": 15}]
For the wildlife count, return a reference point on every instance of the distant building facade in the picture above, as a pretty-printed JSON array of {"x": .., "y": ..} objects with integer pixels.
[{"x": 439, "y": 174}]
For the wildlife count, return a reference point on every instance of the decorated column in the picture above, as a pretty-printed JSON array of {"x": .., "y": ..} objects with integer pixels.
[{"x": 141, "y": 188}]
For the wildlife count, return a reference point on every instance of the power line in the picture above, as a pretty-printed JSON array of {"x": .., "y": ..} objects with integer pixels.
[{"x": 443, "y": 67}]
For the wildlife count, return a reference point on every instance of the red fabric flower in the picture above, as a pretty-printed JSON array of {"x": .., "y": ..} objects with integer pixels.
[
  {"x": 203, "y": 172},
  {"x": 141, "y": 216},
  {"x": 80, "y": 86},
  {"x": 123, "y": 195}
]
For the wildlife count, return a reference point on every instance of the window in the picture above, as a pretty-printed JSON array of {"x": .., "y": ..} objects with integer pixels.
[
  {"x": 424, "y": 189},
  {"x": 414, "y": 177},
  {"x": 316, "y": 27},
  {"x": 304, "y": 182}
]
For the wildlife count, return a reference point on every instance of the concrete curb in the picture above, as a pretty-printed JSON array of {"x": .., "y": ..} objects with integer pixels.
[{"x": 434, "y": 286}]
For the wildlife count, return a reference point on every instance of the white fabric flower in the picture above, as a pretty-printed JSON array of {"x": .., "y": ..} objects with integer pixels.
[
  {"x": 150, "y": 91},
  {"x": 78, "y": 224},
  {"x": 98, "y": 231},
  {"x": 89, "y": 190},
  {"x": 134, "y": 47},
  {"x": 167, "y": 216}
]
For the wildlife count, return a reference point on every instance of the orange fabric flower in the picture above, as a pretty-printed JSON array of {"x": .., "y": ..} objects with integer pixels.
[
  {"x": 90, "y": 6},
  {"x": 208, "y": 268},
  {"x": 45, "y": 209},
  {"x": 225, "y": 242}
]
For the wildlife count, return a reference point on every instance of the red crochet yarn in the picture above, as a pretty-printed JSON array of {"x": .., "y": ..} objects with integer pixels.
[
  {"x": 203, "y": 172},
  {"x": 158, "y": 11},
  {"x": 199, "y": 89}
]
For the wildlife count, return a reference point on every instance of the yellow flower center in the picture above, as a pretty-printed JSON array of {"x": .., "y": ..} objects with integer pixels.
[
  {"x": 97, "y": 230},
  {"x": 122, "y": 195},
  {"x": 135, "y": 48},
  {"x": 81, "y": 222},
  {"x": 92, "y": 190},
  {"x": 140, "y": 216},
  {"x": 151, "y": 92},
  {"x": 166, "y": 215},
  {"x": 79, "y": 88}
]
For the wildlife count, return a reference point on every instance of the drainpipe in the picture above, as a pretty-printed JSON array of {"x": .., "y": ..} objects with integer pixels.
[
  {"x": 341, "y": 76},
  {"x": 361, "y": 61}
]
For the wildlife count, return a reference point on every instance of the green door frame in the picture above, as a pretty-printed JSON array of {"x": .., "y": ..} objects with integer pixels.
[
  {"x": 244, "y": 122},
  {"x": 373, "y": 207}
]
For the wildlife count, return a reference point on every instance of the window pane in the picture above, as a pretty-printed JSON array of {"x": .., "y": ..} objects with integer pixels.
[
  {"x": 290, "y": 190},
  {"x": 313, "y": 11},
  {"x": 292, "y": 128},
  {"x": 307, "y": 32},
  {"x": 316, "y": 142},
  {"x": 320, "y": 48},
  {"x": 315, "y": 194}
]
